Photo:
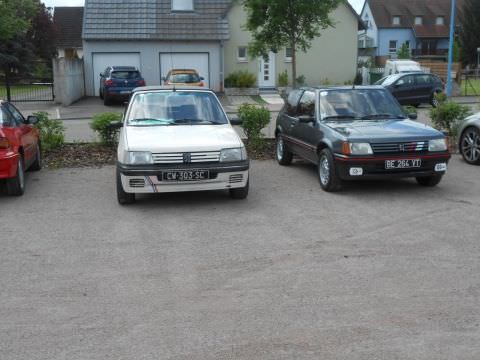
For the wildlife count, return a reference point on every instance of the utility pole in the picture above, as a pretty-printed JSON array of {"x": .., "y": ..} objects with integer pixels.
[{"x": 450, "y": 49}]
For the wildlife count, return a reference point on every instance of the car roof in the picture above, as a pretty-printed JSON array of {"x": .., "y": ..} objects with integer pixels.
[
  {"x": 343, "y": 87},
  {"x": 170, "y": 87}
]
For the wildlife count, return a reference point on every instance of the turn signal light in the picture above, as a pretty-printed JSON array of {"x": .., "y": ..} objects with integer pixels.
[
  {"x": 4, "y": 143},
  {"x": 346, "y": 148}
]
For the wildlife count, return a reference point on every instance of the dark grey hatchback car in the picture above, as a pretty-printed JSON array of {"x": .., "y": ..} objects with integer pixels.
[{"x": 358, "y": 133}]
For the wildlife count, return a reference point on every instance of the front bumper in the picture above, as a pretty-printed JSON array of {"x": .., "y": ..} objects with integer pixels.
[
  {"x": 147, "y": 179},
  {"x": 374, "y": 167},
  {"x": 8, "y": 165}
]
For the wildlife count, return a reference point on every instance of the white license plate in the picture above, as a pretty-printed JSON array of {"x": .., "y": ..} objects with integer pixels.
[
  {"x": 403, "y": 164},
  {"x": 188, "y": 175}
]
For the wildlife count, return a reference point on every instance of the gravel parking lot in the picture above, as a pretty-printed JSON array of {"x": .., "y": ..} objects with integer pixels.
[{"x": 383, "y": 270}]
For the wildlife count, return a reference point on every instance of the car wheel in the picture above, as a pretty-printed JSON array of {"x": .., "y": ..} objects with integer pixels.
[
  {"x": 123, "y": 197},
  {"x": 240, "y": 193},
  {"x": 37, "y": 164},
  {"x": 106, "y": 100},
  {"x": 429, "y": 181},
  {"x": 470, "y": 145},
  {"x": 284, "y": 156},
  {"x": 434, "y": 101},
  {"x": 16, "y": 185},
  {"x": 327, "y": 172}
]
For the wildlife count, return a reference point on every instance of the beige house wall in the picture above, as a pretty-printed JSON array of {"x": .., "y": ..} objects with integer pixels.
[{"x": 333, "y": 55}]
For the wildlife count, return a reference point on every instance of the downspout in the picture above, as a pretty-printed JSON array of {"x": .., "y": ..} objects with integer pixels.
[{"x": 222, "y": 66}]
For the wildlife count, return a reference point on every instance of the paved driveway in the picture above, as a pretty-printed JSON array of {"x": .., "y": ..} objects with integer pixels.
[{"x": 383, "y": 270}]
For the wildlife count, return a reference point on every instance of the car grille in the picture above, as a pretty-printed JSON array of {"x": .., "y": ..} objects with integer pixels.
[
  {"x": 137, "y": 183},
  {"x": 234, "y": 179},
  {"x": 398, "y": 148},
  {"x": 182, "y": 158}
]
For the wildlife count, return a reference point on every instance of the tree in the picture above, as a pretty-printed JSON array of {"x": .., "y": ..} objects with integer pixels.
[
  {"x": 42, "y": 33},
  {"x": 470, "y": 31},
  {"x": 15, "y": 16},
  {"x": 277, "y": 24},
  {"x": 404, "y": 51}
]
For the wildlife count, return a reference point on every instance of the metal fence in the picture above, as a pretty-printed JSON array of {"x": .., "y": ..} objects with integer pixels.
[
  {"x": 26, "y": 90},
  {"x": 470, "y": 85}
]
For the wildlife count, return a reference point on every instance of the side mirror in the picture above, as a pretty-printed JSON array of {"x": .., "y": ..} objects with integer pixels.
[
  {"x": 235, "y": 120},
  {"x": 413, "y": 116},
  {"x": 305, "y": 119},
  {"x": 115, "y": 125},
  {"x": 32, "y": 120}
]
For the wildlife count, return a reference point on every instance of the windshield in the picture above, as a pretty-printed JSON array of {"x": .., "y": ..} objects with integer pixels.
[
  {"x": 388, "y": 80},
  {"x": 125, "y": 75},
  {"x": 359, "y": 104},
  {"x": 185, "y": 78},
  {"x": 166, "y": 108}
]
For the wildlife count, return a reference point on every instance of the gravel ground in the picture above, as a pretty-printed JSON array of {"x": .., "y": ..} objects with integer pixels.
[{"x": 383, "y": 270}]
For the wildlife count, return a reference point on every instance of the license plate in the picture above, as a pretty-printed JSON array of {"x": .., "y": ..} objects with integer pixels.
[
  {"x": 403, "y": 164},
  {"x": 188, "y": 175}
]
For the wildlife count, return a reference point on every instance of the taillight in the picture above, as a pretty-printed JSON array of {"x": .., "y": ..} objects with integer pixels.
[
  {"x": 108, "y": 82},
  {"x": 202, "y": 84},
  {"x": 4, "y": 143},
  {"x": 141, "y": 83}
]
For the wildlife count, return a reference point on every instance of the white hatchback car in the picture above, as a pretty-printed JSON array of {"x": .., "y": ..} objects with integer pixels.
[{"x": 178, "y": 139}]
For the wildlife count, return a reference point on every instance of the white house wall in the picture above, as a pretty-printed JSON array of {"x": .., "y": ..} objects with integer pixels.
[{"x": 150, "y": 58}]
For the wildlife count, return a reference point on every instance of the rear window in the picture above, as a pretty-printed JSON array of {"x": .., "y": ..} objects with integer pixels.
[
  {"x": 126, "y": 75},
  {"x": 185, "y": 78}
]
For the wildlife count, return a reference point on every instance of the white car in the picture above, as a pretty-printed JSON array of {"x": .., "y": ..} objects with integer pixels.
[{"x": 178, "y": 139}]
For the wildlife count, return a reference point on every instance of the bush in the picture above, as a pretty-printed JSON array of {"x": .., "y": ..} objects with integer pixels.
[
  {"x": 409, "y": 109},
  {"x": 240, "y": 79},
  {"x": 448, "y": 116},
  {"x": 301, "y": 80},
  {"x": 52, "y": 132},
  {"x": 100, "y": 125},
  {"x": 254, "y": 119},
  {"x": 283, "y": 79}
]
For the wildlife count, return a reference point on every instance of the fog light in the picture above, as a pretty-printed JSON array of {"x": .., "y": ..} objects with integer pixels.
[
  {"x": 356, "y": 171},
  {"x": 441, "y": 167}
]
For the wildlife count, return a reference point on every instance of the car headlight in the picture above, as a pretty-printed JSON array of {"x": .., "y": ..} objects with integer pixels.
[
  {"x": 230, "y": 155},
  {"x": 437, "y": 145},
  {"x": 139, "y": 158},
  {"x": 357, "y": 149}
]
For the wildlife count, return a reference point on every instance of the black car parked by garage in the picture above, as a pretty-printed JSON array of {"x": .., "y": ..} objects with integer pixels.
[
  {"x": 413, "y": 88},
  {"x": 358, "y": 133}
]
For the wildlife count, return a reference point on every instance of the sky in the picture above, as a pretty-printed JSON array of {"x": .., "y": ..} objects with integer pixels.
[{"x": 357, "y": 4}]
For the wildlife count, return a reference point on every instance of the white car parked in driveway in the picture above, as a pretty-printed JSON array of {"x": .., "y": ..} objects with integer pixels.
[{"x": 179, "y": 139}]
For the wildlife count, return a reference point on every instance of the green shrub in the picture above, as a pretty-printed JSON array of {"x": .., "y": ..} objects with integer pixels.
[
  {"x": 283, "y": 79},
  {"x": 448, "y": 116},
  {"x": 409, "y": 109},
  {"x": 52, "y": 132},
  {"x": 240, "y": 79},
  {"x": 254, "y": 119},
  {"x": 100, "y": 125},
  {"x": 301, "y": 80}
]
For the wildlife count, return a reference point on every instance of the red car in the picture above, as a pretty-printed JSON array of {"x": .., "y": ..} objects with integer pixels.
[{"x": 19, "y": 147}]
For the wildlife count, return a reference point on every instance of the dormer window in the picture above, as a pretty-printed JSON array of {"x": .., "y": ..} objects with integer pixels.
[
  {"x": 182, "y": 5},
  {"x": 440, "y": 20},
  {"x": 396, "y": 20},
  {"x": 418, "y": 20}
]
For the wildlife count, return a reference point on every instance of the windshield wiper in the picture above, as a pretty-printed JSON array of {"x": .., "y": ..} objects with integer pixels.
[
  {"x": 195, "y": 121},
  {"x": 341, "y": 117},
  {"x": 382, "y": 116},
  {"x": 162, "y": 121}
]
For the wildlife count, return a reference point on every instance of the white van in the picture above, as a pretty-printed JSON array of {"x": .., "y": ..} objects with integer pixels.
[{"x": 401, "y": 66}]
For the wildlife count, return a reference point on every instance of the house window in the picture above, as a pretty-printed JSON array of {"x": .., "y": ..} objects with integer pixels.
[
  {"x": 396, "y": 20},
  {"x": 242, "y": 54},
  {"x": 418, "y": 20},
  {"x": 288, "y": 55},
  {"x": 440, "y": 20},
  {"x": 182, "y": 5},
  {"x": 392, "y": 46},
  {"x": 407, "y": 43}
]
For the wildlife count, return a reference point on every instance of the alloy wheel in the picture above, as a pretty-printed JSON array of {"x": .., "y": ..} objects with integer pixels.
[
  {"x": 324, "y": 169},
  {"x": 471, "y": 145},
  {"x": 280, "y": 148}
]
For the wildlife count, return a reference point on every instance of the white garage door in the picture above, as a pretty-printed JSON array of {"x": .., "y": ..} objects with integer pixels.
[
  {"x": 196, "y": 61},
  {"x": 102, "y": 60}
]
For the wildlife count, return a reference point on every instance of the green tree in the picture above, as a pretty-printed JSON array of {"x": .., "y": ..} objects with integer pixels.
[
  {"x": 277, "y": 24},
  {"x": 15, "y": 17},
  {"x": 404, "y": 52},
  {"x": 470, "y": 30}
]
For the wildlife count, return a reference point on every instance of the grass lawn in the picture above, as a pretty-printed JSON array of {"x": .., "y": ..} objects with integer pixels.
[
  {"x": 22, "y": 89},
  {"x": 473, "y": 87}
]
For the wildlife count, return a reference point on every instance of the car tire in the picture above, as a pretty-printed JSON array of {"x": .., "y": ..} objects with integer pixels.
[
  {"x": 433, "y": 101},
  {"x": 470, "y": 145},
  {"x": 123, "y": 197},
  {"x": 240, "y": 193},
  {"x": 37, "y": 164},
  {"x": 16, "y": 185},
  {"x": 106, "y": 100},
  {"x": 327, "y": 172},
  {"x": 283, "y": 155},
  {"x": 429, "y": 181}
]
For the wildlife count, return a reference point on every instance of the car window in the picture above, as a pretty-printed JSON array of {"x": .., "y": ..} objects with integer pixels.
[
  {"x": 6, "y": 119},
  {"x": 175, "y": 108},
  {"x": 307, "y": 104},
  {"x": 125, "y": 75},
  {"x": 423, "y": 79},
  {"x": 185, "y": 78},
  {"x": 406, "y": 81},
  {"x": 388, "y": 80},
  {"x": 292, "y": 102},
  {"x": 19, "y": 120}
]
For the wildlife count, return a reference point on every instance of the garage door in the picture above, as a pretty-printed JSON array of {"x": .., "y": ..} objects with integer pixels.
[
  {"x": 102, "y": 60},
  {"x": 196, "y": 61}
]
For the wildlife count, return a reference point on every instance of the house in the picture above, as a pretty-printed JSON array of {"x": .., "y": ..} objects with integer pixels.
[
  {"x": 207, "y": 35},
  {"x": 68, "y": 24},
  {"x": 421, "y": 24}
]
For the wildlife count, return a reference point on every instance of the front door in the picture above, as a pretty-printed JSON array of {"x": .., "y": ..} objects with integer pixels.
[{"x": 266, "y": 75}]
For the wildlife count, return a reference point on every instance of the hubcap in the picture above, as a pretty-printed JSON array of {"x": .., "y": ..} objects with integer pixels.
[
  {"x": 21, "y": 176},
  {"x": 324, "y": 170},
  {"x": 280, "y": 148},
  {"x": 471, "y": 145}
]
